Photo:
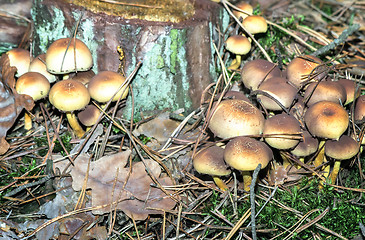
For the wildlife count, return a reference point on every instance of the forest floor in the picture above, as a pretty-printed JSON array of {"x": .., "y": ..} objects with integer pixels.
[{"x": 144, "y": 186}]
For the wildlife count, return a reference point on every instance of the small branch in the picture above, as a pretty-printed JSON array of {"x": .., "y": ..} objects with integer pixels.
[
  {"x": 252, "y": 199},
  {"x": 341, "y": 39}
]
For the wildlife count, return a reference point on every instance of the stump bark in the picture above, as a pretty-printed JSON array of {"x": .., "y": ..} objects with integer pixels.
[{"x": 172, "y": 38}]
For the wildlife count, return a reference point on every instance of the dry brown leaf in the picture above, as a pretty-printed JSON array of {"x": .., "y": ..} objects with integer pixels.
[
  {"x": 136, "y": 197},
  {"x": 11, "y": 103}
]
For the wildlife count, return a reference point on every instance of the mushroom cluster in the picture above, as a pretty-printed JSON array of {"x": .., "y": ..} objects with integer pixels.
[
  {"x": 299, "y": 115},
  {"x": 64, "y": 74}
]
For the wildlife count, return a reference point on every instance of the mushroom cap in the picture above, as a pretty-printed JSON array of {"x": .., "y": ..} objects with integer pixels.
[
  {"x": 281, "y": 124},
  {"x": 255, "y": 24},
  {"x": 244, "y": 7},
  {"x": 244, "y": 153},
  {"x": 234, "y": 117},
  {"x": 236, "y": 95},
  {"x": 307, "y": 146},
  {"x": 278, "y": 88},
  {"x": 104, "y": 84},
  {"x": 345, "y": 148},
  {"x": 350, "y": 88},
  {"x": 326, "y": 120},
  {"x": 38, "y": 65},
  {"x": 256, "y": 71},
  {"x": 84, "y": 77},
  {"x": 238, "y": 44},
  {"x": 33, "y": 84},
  {"x": 300, "y": 67},
  {"x": 69, "y": 95},
  {"x": 325, "y": 91},
  {"x": 19, "y": 58},
  {"x": 60, "y": 63},
  {"x": 210, "y": 161},
  {"x": 89, "y": 115},
  {"x": 359, "y": 113}
]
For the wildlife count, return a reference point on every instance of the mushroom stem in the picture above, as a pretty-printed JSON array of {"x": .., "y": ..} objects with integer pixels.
[
  {"x": 247, "y": 179},
  {"x": 75, "y": 125},
  {"x": 320, "y": 157},
  {"x": 27, "y": 121},
  {"x": 335, "y": 170},
  {"x": 235, "y": 63},
  {"x": 220, "y": 183},
  {"x": 286, "y": 162}
]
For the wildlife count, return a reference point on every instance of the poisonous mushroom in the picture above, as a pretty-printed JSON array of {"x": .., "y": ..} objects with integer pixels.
[
  {"x": 210, "y": 161},
  {"x": 306, "y": 147},
  {"x": 67, "y": 55},
  {"x": 326, "y": 120},
  {"x": 38, "y": 64},
  {"x": 343, "y": 149},
  {"x": 89, "y": 115},
  {"x": 255, "y": 24},
  {"x": 244, "y": 154},
  {"x": 350, "y": 88},
  {"x": 325, "y": 91},
  {"x": 300, "y": 68},
  {"x": 246, "y": 8},
  {"x": 35, "y": 85},
  {"x": 239, "y": 45},
  {"x": 256, "y": 71},
  {"x": 234, "y": 117},
  {"x": 104, "y": 85},
  {"x": 19, "y": 58},
  {"x": 68, "y": 96}
]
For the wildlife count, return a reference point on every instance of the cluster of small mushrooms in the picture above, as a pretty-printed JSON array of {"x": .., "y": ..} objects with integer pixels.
[
  {"x": 64, "y": 74},
  {"x": 297, "y": 115}
]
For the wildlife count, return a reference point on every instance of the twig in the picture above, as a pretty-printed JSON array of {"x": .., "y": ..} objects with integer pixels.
[
  {"x": 252, "y": 199},
  {"x": 21, "y": 188},
  {"x": 341, "y": 39}
]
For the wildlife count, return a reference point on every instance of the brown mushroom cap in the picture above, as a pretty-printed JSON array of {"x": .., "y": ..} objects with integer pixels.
[
  {"x": 236, "y": 95},
  {"x": 244, "y": 153},
  {"x": 307, "y": 146},
  {"x": 89, "y": 115},
  {"x": 279, "y": 89},
  {"x": 350, "y": 88},
  {"x": 325, "y": 91},
  {"x": 19, "y": 58},
  {"x": 60, "y": 63},
  {"x": 234, "y": 117},
  {"x": 256, "y": 71},
  {"x": 326, "y": 120},
  {"x": 69, "y": 95},
  {"x": 359, "y": 113},
  {"x": 210, "y": 161},
  {"x": 38, "y": 65},
  {"x": 33, "y": 84},
  {"x": 244, "y": 7},
  {"x": 238, "y": 44},
  {"x": 84, "y": 77},
  {"x": 299, "y": 69},
  {"x": 281, "y": 124},
  {"x": 255, "y": 24},
  {"x": 345, "y": 148},
  {"x": 104, "y": 85}
]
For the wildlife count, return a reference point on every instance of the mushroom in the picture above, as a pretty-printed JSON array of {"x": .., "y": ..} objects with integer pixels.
[
  {"x": 210, "y": 161},
  {"x": 234, "y": 117},
  {"x": 89, "y": 115},
  {"x": 104, "y": 85},
  {"x": 256, "y": 71},
  {"x": 67, "y": 55},
  {"x": 35, "y": 85},
  {"x": 306, "y": 147},
  {"x": 84, "y": 77},
  {"x": 326, "y": 120},
  {"x": 19, "y": 58},
  {"x": 325, "y": 91},
  {"x": 279, "y": 89},
  {"x": 68, "y": 96},
  {"x": 239, "y": 45},
  {"x": 343, "y": 149},
  {"x": 255, "y": 24},
  {"x": 350, "y": 88},
  {"x": 246, "y": 8},
  {"x": 359, "y": 113},
  {"x": 244, "y": 154},
  {"x": 300, "y": 68},
  {"x": 38, "y": 64}
]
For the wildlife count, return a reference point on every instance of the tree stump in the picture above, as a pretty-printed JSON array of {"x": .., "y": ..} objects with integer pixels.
[{"x": 172, "y": 38}]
